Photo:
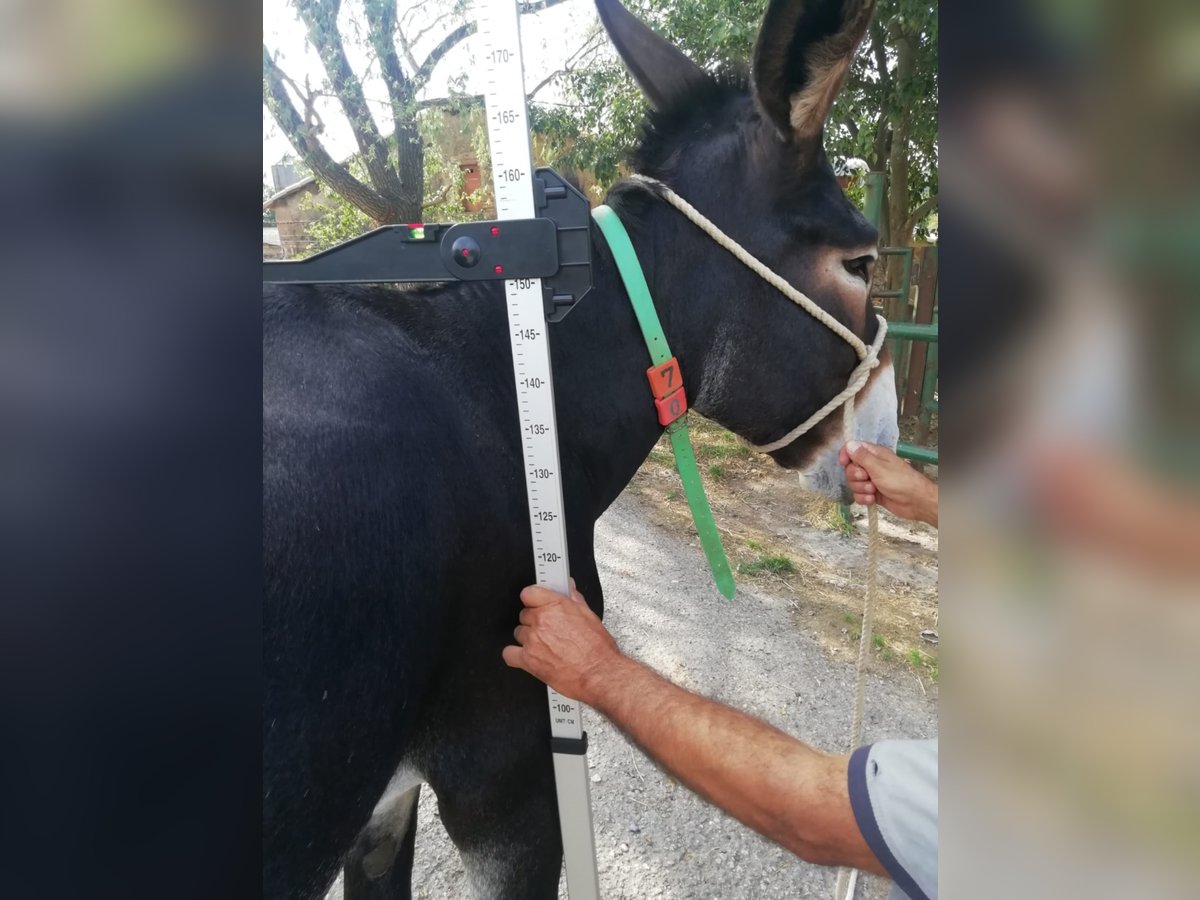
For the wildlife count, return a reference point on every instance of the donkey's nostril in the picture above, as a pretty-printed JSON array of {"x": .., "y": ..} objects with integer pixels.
[{"x": 861, "y": 267}]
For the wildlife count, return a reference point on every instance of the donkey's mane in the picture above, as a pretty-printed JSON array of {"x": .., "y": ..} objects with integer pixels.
[{"x": 714, "y": 106}]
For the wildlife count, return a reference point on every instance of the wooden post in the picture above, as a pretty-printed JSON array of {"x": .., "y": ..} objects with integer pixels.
[{"x": 926, "y": 292}]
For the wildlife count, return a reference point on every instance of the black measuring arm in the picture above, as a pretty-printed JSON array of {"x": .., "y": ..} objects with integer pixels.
[{"x": 555, "y": 247}]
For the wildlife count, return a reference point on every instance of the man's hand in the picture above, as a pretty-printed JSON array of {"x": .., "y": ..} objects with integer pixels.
[
  {"x": 561, "y": 642},
  {"x": 877, "y": 475}
]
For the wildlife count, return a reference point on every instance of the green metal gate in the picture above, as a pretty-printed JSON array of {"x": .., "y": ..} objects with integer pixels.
[{"x": 912, "y": 331}]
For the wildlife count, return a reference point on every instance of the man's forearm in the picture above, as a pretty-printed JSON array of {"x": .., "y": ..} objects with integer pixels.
[
  {"x": 929, "y": 506},
  {"x": 775, "y": 784}
]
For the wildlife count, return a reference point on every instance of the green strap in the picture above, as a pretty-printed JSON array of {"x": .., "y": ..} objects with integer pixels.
[
  {"x": 635, "y": 282},
  {"x": 681, "y": 442},
  {"x": 693, "y": 489}
]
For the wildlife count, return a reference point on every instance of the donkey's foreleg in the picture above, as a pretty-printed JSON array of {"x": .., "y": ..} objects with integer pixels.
[
  {"x": 495, "y": 791},
  {"x": 379, "y": 864}
]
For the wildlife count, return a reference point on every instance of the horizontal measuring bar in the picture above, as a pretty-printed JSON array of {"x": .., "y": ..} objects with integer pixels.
[
  {"x": 927, "y": 455},
  {"x": 910, "y": 331},
  {"x": 468, "y": 251}
]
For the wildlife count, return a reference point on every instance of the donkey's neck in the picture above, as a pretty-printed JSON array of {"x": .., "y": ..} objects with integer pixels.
[{"x": 607, "y": 420}]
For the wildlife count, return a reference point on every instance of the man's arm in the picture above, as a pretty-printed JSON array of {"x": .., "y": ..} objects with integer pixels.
[{"x": 775, "y": 784}]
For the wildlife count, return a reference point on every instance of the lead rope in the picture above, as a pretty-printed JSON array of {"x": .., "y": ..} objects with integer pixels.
[
  {"x": 868, "y": 359},
  {"x": 848, "y": 878}
]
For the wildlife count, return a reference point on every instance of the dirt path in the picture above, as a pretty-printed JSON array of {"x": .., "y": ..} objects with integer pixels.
[
  {"x": 763, "y": 653},
  {"x": 788, "y": 541}
]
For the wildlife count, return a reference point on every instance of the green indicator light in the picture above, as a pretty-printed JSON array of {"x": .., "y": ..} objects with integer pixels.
[{"x": 416, "y": 232}]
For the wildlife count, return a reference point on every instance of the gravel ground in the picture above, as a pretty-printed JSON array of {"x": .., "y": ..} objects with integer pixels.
[{"x": 654, "y": 838}]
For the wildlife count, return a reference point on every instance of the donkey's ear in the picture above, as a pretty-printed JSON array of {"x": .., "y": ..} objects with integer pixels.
[
  {"x": 663, "y": 73},
  {"x": 803, "y": 52}
]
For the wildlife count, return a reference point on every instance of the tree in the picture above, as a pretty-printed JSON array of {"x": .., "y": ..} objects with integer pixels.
[
  {"x": 390, "y": 185},
  {"x": 887, "y": 112},
  {"x": 336, "y": 219},
  {"x": 885, "y": 115},
  {"x": 606, "y": 109}
]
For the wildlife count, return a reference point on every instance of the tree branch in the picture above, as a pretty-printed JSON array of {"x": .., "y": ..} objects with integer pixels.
[
  {"x": 918, "y": 215},
  {"x": 461, "y": 33},
  {"x": 313, "y": 124},
  {"x": 572, "y": 63},
  {"x": 305, "y": 142},
  {"x": 320, "y": 19},
  {"x": 440, "y": 198},
  {"x": 877, "y": 48},
  {"x": 381, "y": 26},
  {"x": 407, "y": 48},
  {"x": 545, "y": 81},
  {"x": 879, "y": 146},
  {"x": 441, "y": 102},
  {"x": 432, "y": 25},
  {"x": 412, "y": 11},
  {"x": 448, "y": 43}
]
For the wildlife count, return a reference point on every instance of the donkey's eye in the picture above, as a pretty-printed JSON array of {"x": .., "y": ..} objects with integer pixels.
[{"x": 861, "y": 266}]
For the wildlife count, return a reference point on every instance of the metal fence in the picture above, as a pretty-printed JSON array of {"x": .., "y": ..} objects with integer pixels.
[{"x": 912, "y": 329}]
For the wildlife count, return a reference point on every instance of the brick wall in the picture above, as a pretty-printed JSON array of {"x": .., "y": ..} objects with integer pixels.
[{"x": 292, "y": 217}]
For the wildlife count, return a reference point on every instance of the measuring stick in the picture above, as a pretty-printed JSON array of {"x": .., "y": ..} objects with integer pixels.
[{"x": 512, "y": 175}]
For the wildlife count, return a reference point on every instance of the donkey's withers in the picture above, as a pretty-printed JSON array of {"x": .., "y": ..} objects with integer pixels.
[{"x": 395, "y": 530}]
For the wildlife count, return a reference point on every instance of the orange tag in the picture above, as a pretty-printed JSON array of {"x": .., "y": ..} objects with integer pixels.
[
  {"x": 671, "y": 408},
  {"x": 665, "y": 379}
]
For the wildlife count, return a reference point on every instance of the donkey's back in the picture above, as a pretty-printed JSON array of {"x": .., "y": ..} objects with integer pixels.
[{"x": 375, "y": 498}]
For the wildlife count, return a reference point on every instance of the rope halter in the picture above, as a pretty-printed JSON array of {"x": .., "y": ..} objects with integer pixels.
[
  {"x": 868, "y": 355},
  {"x": 868, "y": 359}
]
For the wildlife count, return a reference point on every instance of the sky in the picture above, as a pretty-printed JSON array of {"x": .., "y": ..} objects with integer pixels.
[{"x": 548, "y": 40}]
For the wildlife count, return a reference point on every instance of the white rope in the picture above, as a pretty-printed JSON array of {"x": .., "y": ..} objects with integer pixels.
[
  {"x": 762, "y": 270},
  {"x": 846, "y": 880},
  {"x": 868, "y": 360},
  {"x": 868, "y": 355},
  {"x": 857, "y": 379}
]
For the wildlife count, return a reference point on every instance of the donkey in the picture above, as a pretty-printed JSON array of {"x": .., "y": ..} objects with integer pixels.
[{"x": 395, "y": 526}]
